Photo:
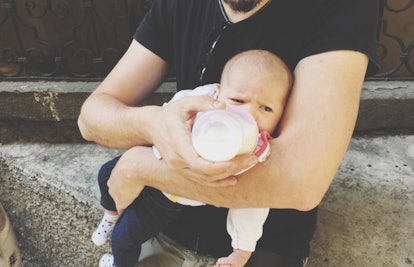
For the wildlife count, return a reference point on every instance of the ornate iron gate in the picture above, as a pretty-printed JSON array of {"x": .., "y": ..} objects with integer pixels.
[
  {"x": 83, "y": 39},
  {"x": 396, "y": 42}
]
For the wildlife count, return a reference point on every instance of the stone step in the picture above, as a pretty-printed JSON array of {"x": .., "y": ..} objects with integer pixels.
[
  {"x": 47, "y": 111},
  {"x": 366, "y": 219},
  {"x": 51, "y": 194}
]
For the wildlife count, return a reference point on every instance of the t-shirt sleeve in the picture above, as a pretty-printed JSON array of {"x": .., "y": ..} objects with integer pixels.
[
  {"x": 154, "y": 31},
  {"x": 347, "y": 25}
]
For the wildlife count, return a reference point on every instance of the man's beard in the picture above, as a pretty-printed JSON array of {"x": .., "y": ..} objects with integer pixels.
[{"x": 242, "y": 5}]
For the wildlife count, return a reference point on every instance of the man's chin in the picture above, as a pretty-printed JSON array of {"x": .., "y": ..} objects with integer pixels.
[{"x": 243, "y": 6}]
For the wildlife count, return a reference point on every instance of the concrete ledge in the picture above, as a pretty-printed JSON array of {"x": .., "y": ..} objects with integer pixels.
[
  {"x": 47, "y": 111},
  {"x": 51, "y": 195},
  {"x": 367, "y": 215},
  {"x": 367, "y": 218},
  {"x": 56, "y": 101},
  {"x": 386, "y": 106},
  {"x": 31, "y": 111}
]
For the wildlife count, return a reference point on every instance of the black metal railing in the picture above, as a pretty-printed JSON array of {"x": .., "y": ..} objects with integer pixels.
[
  {"x": 396, "y": 40},
  {"x": 83, "y": 39},
  {"x": 65, "y": 38}
]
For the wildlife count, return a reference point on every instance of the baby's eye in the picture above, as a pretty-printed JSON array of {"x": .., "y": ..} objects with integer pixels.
[
  {"x": 237, "y": 100},
  {"x": 267, "y": 109}
]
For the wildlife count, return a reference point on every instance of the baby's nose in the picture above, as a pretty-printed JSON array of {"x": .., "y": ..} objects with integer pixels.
[{"x": 252, "y": 111}]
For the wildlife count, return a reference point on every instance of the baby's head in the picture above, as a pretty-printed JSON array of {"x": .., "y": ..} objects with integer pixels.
[{"x": 259, "y": 81}]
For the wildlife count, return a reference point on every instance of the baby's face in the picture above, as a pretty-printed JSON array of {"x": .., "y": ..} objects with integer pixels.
[{"x": 263, "y": 98}]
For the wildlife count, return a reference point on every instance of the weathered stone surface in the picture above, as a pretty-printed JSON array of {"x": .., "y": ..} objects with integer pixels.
[
  {"x": 30, "y": 111},
  {"x": 366, "y": 218}
]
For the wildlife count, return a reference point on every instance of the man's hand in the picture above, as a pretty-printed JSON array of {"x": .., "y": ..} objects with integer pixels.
[
  {"x": 171, "y": 134},
  {"x": 123, "y": 185}
]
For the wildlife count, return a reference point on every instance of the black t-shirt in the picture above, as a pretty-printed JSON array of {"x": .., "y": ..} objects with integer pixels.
[{"x": 183, "y": 32}]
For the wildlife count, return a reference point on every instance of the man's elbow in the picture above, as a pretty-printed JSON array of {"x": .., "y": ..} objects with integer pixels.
[
  {"x": 83, "y": 129},
  {"x": 308, "y": 191},
  {"x": 303, "y": 199},
  {"x": 307, "y": 203}
]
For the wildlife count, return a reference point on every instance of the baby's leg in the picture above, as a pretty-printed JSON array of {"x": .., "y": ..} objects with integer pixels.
[
  {"x": 104, "y": 230},
  {"x": 236, "y": 259},
  {"x": 149, "y": 214}
]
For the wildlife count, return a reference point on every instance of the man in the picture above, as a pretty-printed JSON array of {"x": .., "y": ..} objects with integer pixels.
[{"x": 328, "y": 44}]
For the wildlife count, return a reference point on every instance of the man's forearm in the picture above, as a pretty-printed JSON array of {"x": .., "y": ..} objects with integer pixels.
[
  {"x": 107, "y": 121},
  {"x": 253, "y": 189},
  {"x": 108, "y": 116}
]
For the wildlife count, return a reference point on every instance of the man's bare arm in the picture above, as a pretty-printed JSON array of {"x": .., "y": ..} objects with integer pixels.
[
  {"x": 108, "y": 115},
  {"x": 315, "y": 132}
]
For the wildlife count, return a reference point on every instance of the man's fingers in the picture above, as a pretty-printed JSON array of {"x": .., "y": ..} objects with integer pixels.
[
  {"x": 214, "y": 174},
  {"x": 215, "y": 171},
  {"x": 194, "y": 104},
  {"x": 229, "y": 181}
]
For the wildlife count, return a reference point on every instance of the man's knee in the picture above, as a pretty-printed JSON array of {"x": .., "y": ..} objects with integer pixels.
[{"x": 106, "y": 169}]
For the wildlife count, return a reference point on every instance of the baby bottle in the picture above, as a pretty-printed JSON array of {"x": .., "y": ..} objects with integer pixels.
[{"x": 220, "y": 135}]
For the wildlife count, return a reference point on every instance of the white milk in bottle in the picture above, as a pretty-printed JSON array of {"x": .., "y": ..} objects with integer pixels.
[{"x": 220, "y": 135}]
